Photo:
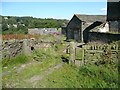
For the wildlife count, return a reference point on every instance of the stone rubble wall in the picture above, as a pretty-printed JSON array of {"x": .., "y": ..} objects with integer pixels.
[
  {"x": 103, "y": 37},
  {"x": 114, "y": 26},
  {"x": 12, "y": 48}
]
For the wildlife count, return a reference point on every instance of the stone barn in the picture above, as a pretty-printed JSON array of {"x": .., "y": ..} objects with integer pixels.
[
  {"x": 113, "y": 15},
  {"x": 79, "y": 26}
]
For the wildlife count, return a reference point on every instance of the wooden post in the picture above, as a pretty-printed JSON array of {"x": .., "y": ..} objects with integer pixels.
[
  {"x": 72, "y": 53},
  {"x": 83, "y": 56}
]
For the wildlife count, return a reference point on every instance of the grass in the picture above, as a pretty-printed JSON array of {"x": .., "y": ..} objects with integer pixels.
[
  {"x": 79, "y": 54},
  {"x": 16, "y": 61},
  {"x": 0, "y": 67},
  {"x": 85, "y": 77},
  {"x": 46, "y": 58},
  {"x": 88, "y": 76},
  {"x": 100, "y": 76}
]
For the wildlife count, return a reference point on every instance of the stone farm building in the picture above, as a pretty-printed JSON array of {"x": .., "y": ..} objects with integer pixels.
[
  {"x": 42, "y": 31},
  {"x": 79, "y": 25},
  {"x": 95, "y": 28}
]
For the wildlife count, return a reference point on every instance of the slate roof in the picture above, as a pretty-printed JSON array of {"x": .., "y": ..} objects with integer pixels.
[{"x": 91, "y": 18}]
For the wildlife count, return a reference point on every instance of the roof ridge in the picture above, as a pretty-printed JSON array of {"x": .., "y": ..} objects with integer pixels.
[
  {"x": 89, "y": 15},
  {"x": 85, "y": 17}
]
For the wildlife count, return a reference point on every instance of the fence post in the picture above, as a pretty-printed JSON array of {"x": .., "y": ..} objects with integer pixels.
[
  {"x": 72, "y": 53},
  {"x": 83, "y": 56}
]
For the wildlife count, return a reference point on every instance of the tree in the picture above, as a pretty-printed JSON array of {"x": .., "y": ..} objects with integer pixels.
[{"x": 4, "y": 27}]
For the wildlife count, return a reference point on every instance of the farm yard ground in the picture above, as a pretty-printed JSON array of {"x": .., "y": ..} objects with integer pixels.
[{"x": 44, "y": 69}]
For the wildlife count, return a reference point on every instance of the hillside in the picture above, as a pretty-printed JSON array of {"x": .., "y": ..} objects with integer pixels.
[{"x": 20, "y": 25}]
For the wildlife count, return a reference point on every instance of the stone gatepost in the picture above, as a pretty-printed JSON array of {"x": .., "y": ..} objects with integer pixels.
[
  {"x": 72, "y": 53},
  {"x": 26, "y": 47}
]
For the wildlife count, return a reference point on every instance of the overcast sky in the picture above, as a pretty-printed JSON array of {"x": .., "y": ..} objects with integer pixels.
[{"x": 64, "y": 10}]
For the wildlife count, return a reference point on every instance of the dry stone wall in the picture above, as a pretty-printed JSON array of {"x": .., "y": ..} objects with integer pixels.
[
  {"x": 12, "y": 48},
  {"x": 114, "y": 26},
  {"x": 103, "y": 37}
]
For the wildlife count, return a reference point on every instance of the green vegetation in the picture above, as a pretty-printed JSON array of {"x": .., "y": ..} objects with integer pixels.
[
  {"x": 23, "y": 68},
  {"x": 0, "y": 67},
  {"x": 20, "y": 25},
  {"x": 16, "y": 61},
  {"x": 79, "y": 54},
  {"x": 37, "y": 71},
  {"x": 90, "y": 76}
]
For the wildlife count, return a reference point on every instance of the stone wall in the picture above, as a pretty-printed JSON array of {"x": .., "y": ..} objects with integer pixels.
[
  {"x": 103, "y": 37},
  {"x": 11, "y": 48},
  {"x": 113, "y": 8},
  {"x": 113, "y": 15},
  {"x": 114, "y": 26}
]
